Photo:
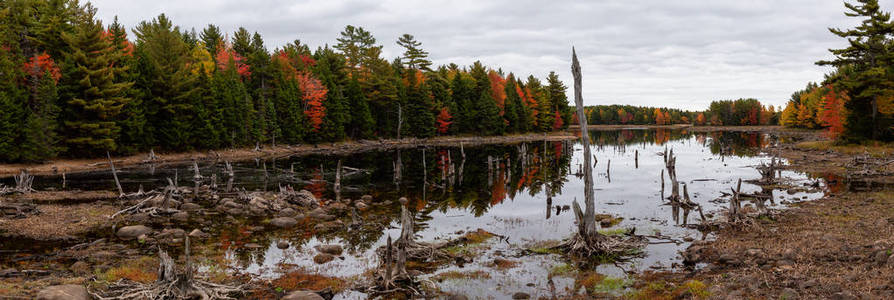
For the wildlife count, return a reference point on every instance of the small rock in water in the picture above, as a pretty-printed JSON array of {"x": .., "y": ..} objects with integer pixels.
[
  {"x": 330, "y": 249},
  {"x": 521, "y": 295},
  {"x": 80, "y": 268},
  {"x": 180, "y": 216},
  {"x": 366, "y": 198},
  {"x": 63, "y": 292},
  {"x": 323, "y": 258},
  {"x": 688, "y": 239},
  {"x": 132, "y": 232},
  {"x": 302, "y": 295},
  {"x": 190, "y": 207},
  {"x": 789, "y": 294},
  {"x": 282, "y": 245},
  {"x": 195, "y": 233},
  {"x": 283, "y": 222},
  {"x": 403, "y": 200},
  {"x": 286, "y": 212}
]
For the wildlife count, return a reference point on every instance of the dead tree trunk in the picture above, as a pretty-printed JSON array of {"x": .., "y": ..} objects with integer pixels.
[
  {"x": 197, "y": 179},
  {"x": 115, "y": 174},
  {"x": 587, "y": 236},
  {"x": 337, "y": 186}
]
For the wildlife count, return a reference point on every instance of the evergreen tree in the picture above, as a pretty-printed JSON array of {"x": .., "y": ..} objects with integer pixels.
[
  {"x": 95, "y": 90},
  {"x": 414, "y": 57},
  {"x": 362, "y": 123},
  {"x": 358, "y": 46},
  {"x": 484, "y": 110},
  {"x": 11, "y": 99},
  {"x": 419, "y": 110},
  {"x": 513, "y": 106},
  {"x": 211, "y": 38},
  {"x": 869, "y": 60},
  {"x": 39, "y": 138},
  {"x": 167, "y": 83},
  {"x": 461, "y": 108},
  {"x": 558, "y": 100}
]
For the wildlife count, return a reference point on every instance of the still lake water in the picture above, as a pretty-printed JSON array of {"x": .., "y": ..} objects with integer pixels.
[{"x": 523, "y": 196}]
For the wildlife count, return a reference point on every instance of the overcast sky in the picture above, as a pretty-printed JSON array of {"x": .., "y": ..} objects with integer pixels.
[{"x": 668, "y": 53}]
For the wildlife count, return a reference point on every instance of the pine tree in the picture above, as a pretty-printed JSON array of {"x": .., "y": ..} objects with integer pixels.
[
  {"x": 358, "y": 46},
  {"x": 167, "y": 83},
  {"x": 39, "y": 138},
  {"x": 419, "y": 108},
  {"x": 95, "y": 89},
  {"x": 330, "y": 68},
  {"x": 211, "y": 38},
  {"x": 414, "y": 57},
  {"x": 869, "y": 58},
  {"x": 558, "y": 100},
  {"x": 512, "y": 107},
  {"x": 362, "y": 124},
  {"x": 461, "y": 99},
  {"x": 11, "y": 99}
]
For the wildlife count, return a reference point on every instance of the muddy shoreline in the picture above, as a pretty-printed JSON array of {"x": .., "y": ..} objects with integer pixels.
[
  {"x": 267, "y": 151},
  {"x": 836, "y": 247}
]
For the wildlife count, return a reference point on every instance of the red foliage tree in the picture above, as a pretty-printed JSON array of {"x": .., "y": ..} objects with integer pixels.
[
  {"x": 443, "y": 121},
  {"x": 832, "y": 115},
  {"x": 558, "y": 122},
  {"x": 40, "y": 64},
  {"x": 314, "y": 94},
  {"x": 226, "y": 56}
]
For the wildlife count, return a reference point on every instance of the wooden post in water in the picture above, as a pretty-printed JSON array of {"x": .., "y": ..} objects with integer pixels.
[{"x": 636, "y": 158}]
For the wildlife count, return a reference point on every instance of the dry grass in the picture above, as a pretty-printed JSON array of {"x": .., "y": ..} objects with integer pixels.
[
  {"x": 462, "y": 275},
  {"x": 504, "y": 264},
  {"x": 875, "y": 149},
  {"x": 300, "y": 280},
  {"x": 691, "y": 289},
  {"x": 142, "y": 269},
  {"x": 56, "y": 222}
]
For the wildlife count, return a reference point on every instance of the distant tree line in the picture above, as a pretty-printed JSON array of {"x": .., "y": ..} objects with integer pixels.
[
  {"x": 742, "y": 112},
  {"x": 855, "y": 102},
  {"x": 70, "y": 86}
]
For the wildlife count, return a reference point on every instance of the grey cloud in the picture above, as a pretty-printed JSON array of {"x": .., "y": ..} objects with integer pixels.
[{"x": 673, "y": 53}]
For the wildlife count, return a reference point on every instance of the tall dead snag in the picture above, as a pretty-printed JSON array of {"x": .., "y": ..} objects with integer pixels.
[
  {"x": 172, "y": 283},
  {"x": 587, "y": 241},
  {"x": 768, "y": 172},
  {"x": 115, "y": 174},
  {"x": 337, "y": 185},
  {"x": 197, "y": 179}
]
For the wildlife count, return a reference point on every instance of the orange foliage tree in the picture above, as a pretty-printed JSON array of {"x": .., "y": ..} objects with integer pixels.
[
  {"x": 700, "y": 119},
  {"x": 498, "y": 89}
]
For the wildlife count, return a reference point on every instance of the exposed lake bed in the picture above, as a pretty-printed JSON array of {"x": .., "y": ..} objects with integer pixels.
[{"x": 517, "y": 195}]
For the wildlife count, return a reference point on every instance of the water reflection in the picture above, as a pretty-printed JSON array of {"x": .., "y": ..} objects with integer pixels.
[{"x": 521, "y": 191}]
